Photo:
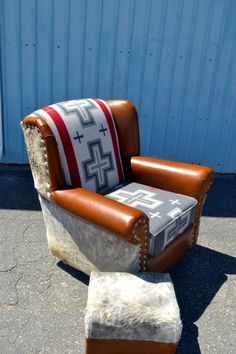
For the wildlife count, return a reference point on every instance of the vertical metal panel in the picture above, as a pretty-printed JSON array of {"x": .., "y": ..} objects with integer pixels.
[
  {"x": 11, "y": 80},
  {"x": 174, "y": 59}
]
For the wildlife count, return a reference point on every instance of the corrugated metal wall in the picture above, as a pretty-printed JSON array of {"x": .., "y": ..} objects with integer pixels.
[{"x": 174, "y": 59}]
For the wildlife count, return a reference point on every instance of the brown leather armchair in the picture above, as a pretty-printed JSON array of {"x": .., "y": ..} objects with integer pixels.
[{"x": 90, "y": 229}]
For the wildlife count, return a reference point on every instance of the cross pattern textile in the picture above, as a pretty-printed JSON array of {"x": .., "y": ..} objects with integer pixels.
[
  {"x": 87, "y": 142},
  {"x": 138, "y": 198},
  {"x": 169, "y": 213},
  {"x": 98, "y": 164}
]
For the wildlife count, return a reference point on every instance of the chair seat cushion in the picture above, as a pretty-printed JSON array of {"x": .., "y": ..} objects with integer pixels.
[
  {"x": 140, "y": 306},
  {"x": 169, "y": 213}
]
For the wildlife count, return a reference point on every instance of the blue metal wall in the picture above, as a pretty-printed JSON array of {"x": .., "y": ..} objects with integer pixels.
[{"x": 174, "y": 59}]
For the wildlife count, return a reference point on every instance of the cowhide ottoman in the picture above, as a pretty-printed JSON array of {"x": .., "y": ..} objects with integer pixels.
[{"x": 131, "y": 314}]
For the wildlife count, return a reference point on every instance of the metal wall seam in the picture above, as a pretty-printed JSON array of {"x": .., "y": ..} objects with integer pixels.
[
  {"x": 173, "y": 59},
  {"x": 1, "y": 116}
]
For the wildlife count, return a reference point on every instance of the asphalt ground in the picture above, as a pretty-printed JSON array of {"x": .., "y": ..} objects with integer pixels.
[{"x": 42, "y": 300}]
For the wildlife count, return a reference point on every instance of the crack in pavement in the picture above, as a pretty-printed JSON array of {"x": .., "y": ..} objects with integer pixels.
[
  {"x": 9, "y": 270},
  {"x": 21, "y": 330}
]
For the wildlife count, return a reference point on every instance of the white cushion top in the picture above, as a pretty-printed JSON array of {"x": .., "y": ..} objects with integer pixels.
[{"x": 139, "y": 306}]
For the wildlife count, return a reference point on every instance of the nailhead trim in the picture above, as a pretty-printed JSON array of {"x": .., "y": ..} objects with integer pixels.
[{"x": 144, "y": 242}]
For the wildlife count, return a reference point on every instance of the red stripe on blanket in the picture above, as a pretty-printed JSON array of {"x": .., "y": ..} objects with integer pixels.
[
  {"x": 67, "y": 145},
  {"x": 113, "y": 136}
]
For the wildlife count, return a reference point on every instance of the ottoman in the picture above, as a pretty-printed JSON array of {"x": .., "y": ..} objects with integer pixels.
[{"x": 131, "y": 314}]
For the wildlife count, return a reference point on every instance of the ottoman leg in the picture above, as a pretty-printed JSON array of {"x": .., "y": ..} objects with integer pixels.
[{"x": 117, "y": 346}]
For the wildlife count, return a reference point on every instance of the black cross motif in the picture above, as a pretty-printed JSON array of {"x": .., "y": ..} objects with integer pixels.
[
  {"x": 78, "y": 137},
  {"x": 103, "y": 130}
]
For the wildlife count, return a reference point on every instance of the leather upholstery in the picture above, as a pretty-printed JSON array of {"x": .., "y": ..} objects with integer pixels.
[
  {"x": 107, "y": 213},
  {"x": 177, "y": 177},
  {"x": 102, "y": 346},
  {"x": 126, "y": 120},
  {"x": 126, "y": 222},
  {"x": 173, "y": 253}
]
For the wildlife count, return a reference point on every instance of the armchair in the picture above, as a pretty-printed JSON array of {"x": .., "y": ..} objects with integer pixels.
[{"x": 106, "y": 207}]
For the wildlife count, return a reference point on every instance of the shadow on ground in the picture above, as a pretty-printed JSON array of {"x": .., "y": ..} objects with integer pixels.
[
  {"x": 197, "y": 278},
  {"x": 82, "y": 277},
  {"x": 221, "y": 197},
  {"x": 18, "y": 181},
  {"x": 17, "y": 189}
]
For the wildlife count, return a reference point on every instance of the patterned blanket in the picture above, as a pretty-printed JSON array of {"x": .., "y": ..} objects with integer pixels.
[{"x": 87, "y": 142}]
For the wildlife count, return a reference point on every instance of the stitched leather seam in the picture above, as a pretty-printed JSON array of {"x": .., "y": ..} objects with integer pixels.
[{"x": 199, "y": 208}]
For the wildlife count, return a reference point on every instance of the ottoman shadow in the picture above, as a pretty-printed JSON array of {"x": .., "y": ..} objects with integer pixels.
[{"x": 197, "y": 278}]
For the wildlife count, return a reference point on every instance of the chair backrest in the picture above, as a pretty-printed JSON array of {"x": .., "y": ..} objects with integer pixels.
[{"x": 92, "y": 138}]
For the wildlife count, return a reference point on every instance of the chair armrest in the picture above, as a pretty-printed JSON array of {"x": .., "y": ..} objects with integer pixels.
[
  {"x": 120, "y": 219},
  {"x": 178, "y": 177}
]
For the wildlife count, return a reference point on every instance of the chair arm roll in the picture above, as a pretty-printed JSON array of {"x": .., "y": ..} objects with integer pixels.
[
  {"x": 178, "y": 177},
  {"x": 122, "y": 220}
]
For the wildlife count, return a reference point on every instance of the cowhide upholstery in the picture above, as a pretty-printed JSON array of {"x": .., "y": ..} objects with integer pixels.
[
  {"x": 84, "y": 245},
  {"x": 139, "y": 306},
  {"x": 38, "y": 159},
  {"x": 92, "y": 146}
]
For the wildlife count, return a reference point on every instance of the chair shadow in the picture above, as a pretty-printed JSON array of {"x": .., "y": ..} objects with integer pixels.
[
  {"x": 17, "y": 190},
  {"x": 75, "y": 273},
  {"x": 197, "y": 278},
  {"x": 220, "y": 201},
  {"x": 200, "y": 274}
]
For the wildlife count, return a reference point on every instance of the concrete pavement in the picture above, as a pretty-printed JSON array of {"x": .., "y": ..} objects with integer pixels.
[{"x": 42, "y": 300}]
